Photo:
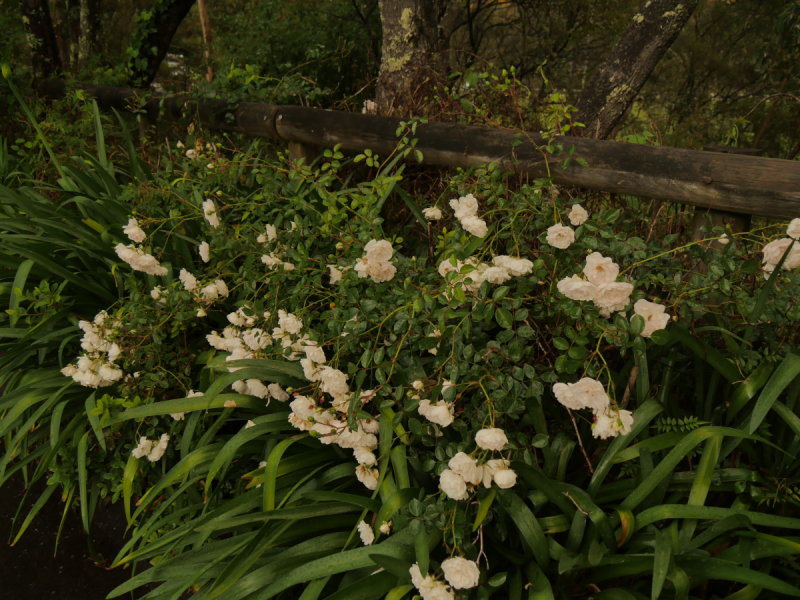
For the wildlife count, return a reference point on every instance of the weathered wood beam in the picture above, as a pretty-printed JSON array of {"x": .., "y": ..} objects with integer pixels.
[{"x": 766, "y": 187}]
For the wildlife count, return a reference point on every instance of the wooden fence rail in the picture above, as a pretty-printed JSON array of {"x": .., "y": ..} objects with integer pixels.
[{"x": 735, "y": 183}]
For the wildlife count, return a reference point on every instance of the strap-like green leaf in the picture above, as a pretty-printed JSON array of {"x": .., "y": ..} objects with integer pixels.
[{"x": 529, "y": 528}]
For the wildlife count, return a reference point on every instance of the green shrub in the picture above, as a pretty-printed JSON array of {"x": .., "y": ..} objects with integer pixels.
[{"x": 249, "y": 489}]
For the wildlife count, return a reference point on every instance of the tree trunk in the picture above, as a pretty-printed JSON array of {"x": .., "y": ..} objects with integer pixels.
[
  {"x": 41, "y": 37},
  {"x": 74, "y": 30},
  {"x": 204, "y": 23},
  {"x": 90, "y": 25},
  {"x": 162, "y": 27},
  {"x": 411, "y": 43},
  {"x": 613, "y": 88}
]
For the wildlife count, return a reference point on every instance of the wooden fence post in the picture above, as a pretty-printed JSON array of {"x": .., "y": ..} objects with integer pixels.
[
  {"x": 298, "y": 150},
  {"x": 737, "y": 222}
]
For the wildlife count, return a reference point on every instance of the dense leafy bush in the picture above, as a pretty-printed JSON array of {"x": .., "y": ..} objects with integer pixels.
[{"x": 276, "y": 319}]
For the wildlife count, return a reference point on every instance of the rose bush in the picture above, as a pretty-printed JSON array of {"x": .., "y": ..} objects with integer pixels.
[{"x": 337, "y": 402}]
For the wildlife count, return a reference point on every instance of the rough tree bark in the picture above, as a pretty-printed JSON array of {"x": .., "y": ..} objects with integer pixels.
[
  {"x": 167, "y": 17},
  {"x": 613, "y": 88},
  {"x": 41, "y": 37},
  {"x": 206, "y": 25},
  {"x": 412, "y": 41}
]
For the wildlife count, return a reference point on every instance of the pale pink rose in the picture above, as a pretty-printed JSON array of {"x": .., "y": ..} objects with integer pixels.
[
  {"x": 515, "y": 266},
  {"x": 793, "y": 231},
  {"x": 475, "y": 226},
  {"x": 563, "y": 393},
  {"x": 578, "y": 215},
  {"x": 577, "y": 289},
  {"x": 653, "y": 314},
  {"x": 600, "y": 269},
  {"x": 560, "y": 236},
  {"x": 590, "y": 393},
  {"x": 774, "y": 251},
  {"x": 612, "y": 297},
  {"x": 612, "y": 423}
]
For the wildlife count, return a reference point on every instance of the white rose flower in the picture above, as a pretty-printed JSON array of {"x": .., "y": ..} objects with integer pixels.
[
  {"x": 491, "y": 438},
  {"x": 600, "y": 269},
  {"x": 205, "y": 251},
  {"x": 289, "y": 323},
  {"x": 560, "y": 236},
  {"x": 505, "y": 478},
  {"x": 178, "y": 416},
  {"x": 315, "y": 353},
  {"x": 379, "y": 251},
  {"x": 386, "y": 527},
  {"x": 418, "y": 385},
  {"x": 793, "y": 260},
  {"x": 222, "y": 288},
  {"x": 774, "y": 251},
  {"x": 143, "y": 449},
  {"x": 440, "y": 413},
  {"x": 189, "y": 281},
  {"x": 191, "y": 154},
  {"x": 453, "y": 485},
  {"x": 563, "y": 393},
  {"x": 612, "y": 297},
  {"x": 368, "y": 476},
  {"x": 159, "y": 449},
  {"x": 333, "y": 382},
  {"x": 466, "y": 467},
  {"x": 577, "y": 289},
  {"x": 446, "y": 267},
  {"x": 466, "y": 206},
  {"x": 277, "y": 393},
  {"x": 723, "y": 240},
  {"x": 653, "y": 314},
  {"x": 515, "y": 266},
  {"x": 612, "y": 423},
  {"x": 475, "y": 226},
  {"x": 210, "y": 213},
  {"x": 793, "y": 231},
  {"x": 578, "y": 215},
  {"x": 432, "y": 213},
  {"x": 335, "y": 274},
  {"x": 365, "y": 531},
  {"x": 461, "y": 573},
  {"x": 134, "y": 232},
  {"x": 590, "y": 393},
  {"x": 272, "y": 233},
  {"x": 496, "y": 275},
  {"x": 364, "y": 455}
]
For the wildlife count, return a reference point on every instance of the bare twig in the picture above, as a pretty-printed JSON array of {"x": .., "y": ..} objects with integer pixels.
[
  {"x": 631, "y": 382},
  {"x": 577, "y": 433},
  {"x": 575, "y": 503}
]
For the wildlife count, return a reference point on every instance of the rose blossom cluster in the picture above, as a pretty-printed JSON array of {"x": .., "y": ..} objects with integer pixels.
[
  {"x": 441, "y": 412},
  {"x": 151, "y": 449},
  {"x": 602, "y": 287},
  {"x": 273, "y": 259},
  {"x": 330, "y": 425},
  {"x": 95, "y": 368},
  {"x": 501, "y": 269},
  {"x": 460, "y": 573},
  {"x": 243, "y": 339},
  {"x": 204, "y": 294},
  {"x": 466, "y": 209},
  {"x": 464, "y": 473},
  {"x": 376, "y": 262},
  {"x": 774, "y": 251},
  {"x": 590, "y": 393}
]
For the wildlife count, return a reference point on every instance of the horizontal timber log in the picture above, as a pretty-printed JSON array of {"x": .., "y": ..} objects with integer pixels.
[{"x": 737, "y": 183}]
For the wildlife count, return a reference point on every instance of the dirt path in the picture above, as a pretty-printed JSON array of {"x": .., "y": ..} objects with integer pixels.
[{"x": 29, "y": 571}]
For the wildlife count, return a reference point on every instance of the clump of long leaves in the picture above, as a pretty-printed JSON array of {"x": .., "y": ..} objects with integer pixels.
[{"x": 699, "y": 499}]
